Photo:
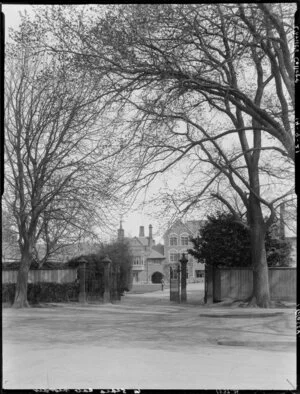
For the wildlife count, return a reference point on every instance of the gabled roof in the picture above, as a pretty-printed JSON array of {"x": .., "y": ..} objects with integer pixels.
[
  {"x": 192, "y": 226},
  {"x": 159, "y": 248},
  {"x": 142, "y": 240},
  {"x": 195, "y": 225},
  {"x": 177, "y": 222},
  {"x": 155, "y": 255}
]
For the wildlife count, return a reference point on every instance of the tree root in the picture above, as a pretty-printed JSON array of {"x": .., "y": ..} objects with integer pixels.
[
  {"x": 264, "y": 303},
  {"x": 18, "y": 304}
]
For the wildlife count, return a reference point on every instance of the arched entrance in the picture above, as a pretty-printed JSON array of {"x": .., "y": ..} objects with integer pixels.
[{"x": 156, "y": 277}]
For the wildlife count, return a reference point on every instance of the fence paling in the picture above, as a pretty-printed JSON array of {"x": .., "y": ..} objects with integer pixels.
[
  {"x": 94, "y": 282},
  {"x": 282, "y": 283},
  {"x": 237, "y": 283},
  {"x": 36, "y": 276}
]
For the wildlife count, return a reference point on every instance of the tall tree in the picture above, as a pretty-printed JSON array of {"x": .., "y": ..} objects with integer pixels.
[
  {"x": 223, "y": 241},
  {"x": 179, "y": 76},
  {"x": 216, "y": 51},
  {"x": 59, "y": 179},
  {"x": 9, "y": 236}
]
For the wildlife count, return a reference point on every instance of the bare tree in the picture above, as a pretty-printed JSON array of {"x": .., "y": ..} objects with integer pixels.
[
  {"x": 252, "y": 184},
  {"x": 170, "y": 68},
  {"x": 9, "y": 236},
  {"x": 216, "y": 51},
  {"x": 59, "y": 179}
]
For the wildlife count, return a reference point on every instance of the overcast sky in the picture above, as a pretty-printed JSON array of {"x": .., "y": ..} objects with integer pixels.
[
  {"x": 11, "y": 12},
  {"x": 131, "y": 221}
]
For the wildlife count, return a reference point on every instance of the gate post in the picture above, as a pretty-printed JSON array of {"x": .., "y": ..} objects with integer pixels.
[
  {"x": 119, "y": 282},
  {"x": 107, "y": 262},
  {"x": 209, "y": 284},
  {"x": 114, "y": 290},
  {"x": 171, "y": 289},
  {"x": 82, "y": 292},
  {"x": 183, "y": 262},
  {"x": 170, "y": 283},
  {"x": 178, "y": 270}
]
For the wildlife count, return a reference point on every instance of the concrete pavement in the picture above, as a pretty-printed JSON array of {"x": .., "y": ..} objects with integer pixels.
[{"x": 147, "y": 342}]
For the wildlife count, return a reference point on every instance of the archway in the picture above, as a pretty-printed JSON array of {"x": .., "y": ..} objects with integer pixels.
[{"x": 156, "y": 277}]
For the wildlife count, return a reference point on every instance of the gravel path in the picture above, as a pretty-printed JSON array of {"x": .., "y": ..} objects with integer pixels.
[{"x": 147, "y": 342}]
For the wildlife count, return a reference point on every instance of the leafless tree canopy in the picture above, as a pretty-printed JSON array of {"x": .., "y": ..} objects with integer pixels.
[
  {"x": 55, "y": 174},
  {"x": 231, "y": 56},
  {"x": 60, "y": 175},
  {"x": 211, "y": 86}
]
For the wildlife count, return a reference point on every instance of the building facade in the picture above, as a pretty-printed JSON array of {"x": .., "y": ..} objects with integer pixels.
[
  {"x": 177, "y": 241},
  {"x": 148, "y": 261}
]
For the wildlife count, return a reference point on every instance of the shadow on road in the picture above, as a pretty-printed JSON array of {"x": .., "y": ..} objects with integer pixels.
[{"x": 195, "y": 296}]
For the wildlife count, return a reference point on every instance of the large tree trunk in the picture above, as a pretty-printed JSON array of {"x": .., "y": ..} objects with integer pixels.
[
  {"x": 22, "y": 282},
  {"x": 261, "y": 293}
]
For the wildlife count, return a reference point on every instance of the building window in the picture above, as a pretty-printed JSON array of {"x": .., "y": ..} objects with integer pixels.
[
  {"x": 173, "y": 240},
  {"x": 199, "y": 273},
  {"x": 137, "y": 261},
  {"x": 184, "y": 240},
  {"x": 173, "y": 257},
  {"x": 135, "y": 276}
]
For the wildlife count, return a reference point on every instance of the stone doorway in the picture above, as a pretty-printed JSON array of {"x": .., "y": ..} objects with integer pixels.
[{"x": 156, "y": 277}]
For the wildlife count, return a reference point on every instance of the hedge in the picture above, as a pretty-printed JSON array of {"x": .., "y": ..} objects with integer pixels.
[
  {"x": 48, "y": 265},
  {"x": 43, "y": 292}
]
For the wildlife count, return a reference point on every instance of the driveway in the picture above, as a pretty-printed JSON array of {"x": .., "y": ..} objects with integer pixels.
[{"x": 146, "y": 342}]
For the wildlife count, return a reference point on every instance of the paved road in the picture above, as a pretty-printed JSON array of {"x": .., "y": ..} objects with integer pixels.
[{"x": 146, "y": 342}]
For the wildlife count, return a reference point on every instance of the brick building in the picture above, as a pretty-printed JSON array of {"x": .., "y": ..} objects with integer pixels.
[
  {"x": 177, "y": 241},
  {"x": 148, "y": 261}
]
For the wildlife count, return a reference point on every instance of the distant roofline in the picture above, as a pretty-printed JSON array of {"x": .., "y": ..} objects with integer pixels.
[{"x": 200, "y": 221}]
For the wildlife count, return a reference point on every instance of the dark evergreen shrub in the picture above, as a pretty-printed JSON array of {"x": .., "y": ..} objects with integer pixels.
[
  {"x": 225, "y": 242},
  {"x": 120, "y": 255},
  {"x": 48, "y": 265},
  {"x": 43, "y": 292},
  {"x": 222, "y": 242},
  {"x": 8, "y": 292}
]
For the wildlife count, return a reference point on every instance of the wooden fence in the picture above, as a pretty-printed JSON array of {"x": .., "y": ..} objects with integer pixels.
[
  {"x": 54, "y": 275},
  {"x": 283, "y": 283},
  {"x": 237, "y": 283}
]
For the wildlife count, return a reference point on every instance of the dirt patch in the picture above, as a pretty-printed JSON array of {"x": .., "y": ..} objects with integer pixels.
[
  {"x": 280, "y": 345},
  {"x": 231, "y": 303},
  {"x": 242, "y": 315}
]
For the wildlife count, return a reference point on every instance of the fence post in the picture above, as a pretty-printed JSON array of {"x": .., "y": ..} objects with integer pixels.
[
  {"x": 114, "y": 285},
  {"x": 107, "y": 263},
  {"x": 118, "y": 283},
  {"x": 178, "y": 270},
  {"x": 82, "y": 293},
  {"x": 183, "y": 262},
  {"x": 171, "y": 277},
  {"x": 210, "y": 284}
]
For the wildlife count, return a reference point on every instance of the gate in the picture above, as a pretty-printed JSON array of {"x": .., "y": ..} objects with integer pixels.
[
  {"x": 100, "y": 283},
  {"x": 94, "y": 285},
  {"x": 115, "y": 284},
  {"x": 175, "y": 284}
]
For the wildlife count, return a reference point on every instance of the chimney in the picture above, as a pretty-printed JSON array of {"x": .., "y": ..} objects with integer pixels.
[
  {"x": 150, "y": 235},
  {"x": 142, "y": 231},
  {"x": 281, "y": 221}
]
